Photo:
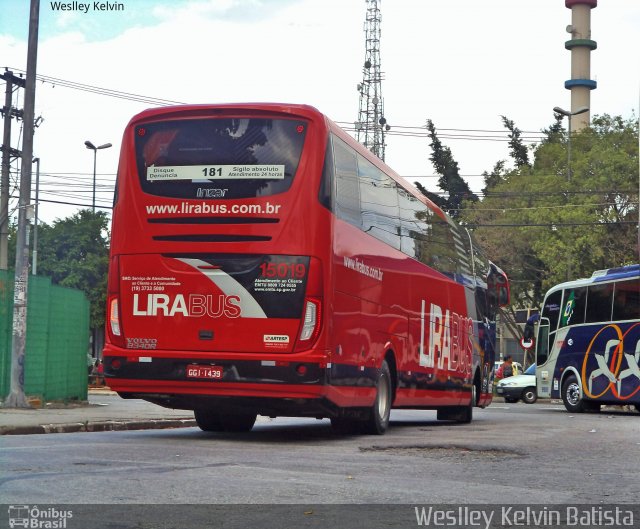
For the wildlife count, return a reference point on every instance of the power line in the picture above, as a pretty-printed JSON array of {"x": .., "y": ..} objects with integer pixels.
[
  {"x": 405, "y": 130},
  {"x": 74, "y": 204},
  {"x": 555, "y": 225},
  {"x": 483, "y": 210},
  {"x": 55, "y": 81}
]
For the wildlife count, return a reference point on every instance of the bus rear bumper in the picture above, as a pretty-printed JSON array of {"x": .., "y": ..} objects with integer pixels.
[
  {"x": 271, "y": 400},
  {"x": 299, "y": 384}
]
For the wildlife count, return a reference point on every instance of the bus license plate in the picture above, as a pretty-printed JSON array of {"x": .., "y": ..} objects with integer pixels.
[{"x": 209, "y": 372}]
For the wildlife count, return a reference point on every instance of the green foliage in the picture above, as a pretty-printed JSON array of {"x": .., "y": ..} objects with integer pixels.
[
  {"x": 496, "y": 176},
  {"x": 436, "y": 199},
  {"x": 74, "y": 252},
  {"x": 519, "y": 151},
  {"x": 450, "y": 181},
  {"x": 544, "y": 226}
]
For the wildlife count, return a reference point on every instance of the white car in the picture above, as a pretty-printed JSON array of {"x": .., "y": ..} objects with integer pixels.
[{"x": 519, "y": 387}]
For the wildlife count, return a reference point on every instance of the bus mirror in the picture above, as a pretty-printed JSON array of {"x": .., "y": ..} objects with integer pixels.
[
  {"x": 498, "y": 282},
  {"x": 503, "y": 294},
  {"x": 501, "y": 286},
  {"x": 527, "y": 337},
  {"x": 528, "y": 332}
]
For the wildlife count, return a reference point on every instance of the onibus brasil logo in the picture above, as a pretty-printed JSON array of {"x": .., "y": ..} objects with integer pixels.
[{"x": 38, "y": 518}]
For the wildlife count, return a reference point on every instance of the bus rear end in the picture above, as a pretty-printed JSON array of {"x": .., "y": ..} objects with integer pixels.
[{"x": 215, "y": 295}]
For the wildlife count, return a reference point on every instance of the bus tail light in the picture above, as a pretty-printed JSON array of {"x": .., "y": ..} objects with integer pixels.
[
  {"x": 114, "y": 327},
  {"x": 311, "y": 322},
  {"x": 312, "y": 309},
  {"x": 114, "y": 317}
]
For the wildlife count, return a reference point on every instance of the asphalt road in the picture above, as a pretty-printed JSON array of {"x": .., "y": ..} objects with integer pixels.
[{"x": 517, "y": 453}]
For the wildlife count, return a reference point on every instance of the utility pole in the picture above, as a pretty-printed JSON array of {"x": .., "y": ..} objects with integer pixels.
[
  {"x": 34, "y": 252},
  {"x": 7, "y": 153},
  {"x": 16, "y": 398}
]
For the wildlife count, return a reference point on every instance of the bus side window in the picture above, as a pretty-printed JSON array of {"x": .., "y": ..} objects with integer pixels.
[
  {"x": 575, "y": 301},
  {"x": 551, "y": 310},
  {"x": 626, "y": 301},
  {"x": 325, "y": 194},
  {"x": 410, "y": 223},
  {"x": 599, "y": 303},
  {"x": 378, "y": 203},
  {"x": 347, "y": 184}
]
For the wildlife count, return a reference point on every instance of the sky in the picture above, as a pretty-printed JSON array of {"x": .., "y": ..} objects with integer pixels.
[{"x": 460, "y": 63}]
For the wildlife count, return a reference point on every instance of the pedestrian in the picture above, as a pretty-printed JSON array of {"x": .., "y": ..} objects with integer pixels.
[
  {"x": 508, "y": 369},
  {"x": 100, "y": 374}
]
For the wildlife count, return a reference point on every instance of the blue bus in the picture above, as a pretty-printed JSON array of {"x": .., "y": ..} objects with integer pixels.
[{"x": 588, "y": 341}]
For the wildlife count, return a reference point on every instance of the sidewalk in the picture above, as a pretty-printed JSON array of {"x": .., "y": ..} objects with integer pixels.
[{"x": 104, "y": 411}]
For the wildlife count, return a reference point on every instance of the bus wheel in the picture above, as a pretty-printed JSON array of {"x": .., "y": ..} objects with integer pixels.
[
  {"x": 238, "y": 422},
  {"x": 591, "y": 406},
  {"x": 378, "y": 420},
  {"x": 461, "y": 414},
  {"x": 344, "y": 425},
  {"x": 208, "y": 421},
  {"x": 571, "y": 395},
  {"x": 529, "y": 395}
]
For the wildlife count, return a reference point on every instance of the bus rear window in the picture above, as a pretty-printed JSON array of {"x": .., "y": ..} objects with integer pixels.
[{"x": 219, "y": 158}]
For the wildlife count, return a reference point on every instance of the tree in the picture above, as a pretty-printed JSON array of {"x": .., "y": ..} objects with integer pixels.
[
  {"x": 74, "y": 252},
  {"x": 436, "y": 199},
  {"x": 519, "y": 151},
  {"x": 496, "y": 176},
  {"x": 450, "y": 181},
  {"x": 557, "y": 228}
]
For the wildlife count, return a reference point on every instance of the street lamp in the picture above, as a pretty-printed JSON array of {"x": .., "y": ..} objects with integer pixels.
[
  {"x": 95, "y": 149},
  {"x": 568, "y": 114}
]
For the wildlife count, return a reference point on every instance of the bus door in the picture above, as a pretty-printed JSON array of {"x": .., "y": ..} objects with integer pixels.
[{"x": 542, "y": 355}]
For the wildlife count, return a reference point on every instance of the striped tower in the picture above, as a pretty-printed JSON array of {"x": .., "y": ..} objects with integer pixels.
[{"x": 581, "y": 46}]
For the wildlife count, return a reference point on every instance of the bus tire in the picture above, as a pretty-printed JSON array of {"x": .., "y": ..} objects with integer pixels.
[
  {"x": 461, "y": 414},
  {"x": 208, "y": 421},
  {"x": 592, "y": 406},
  {"x": 238, "y": 422},
  {"x": 378, "y": 420},
  {"x": 529, "y": 395},
  {"x": 213, "y": 421},
  {"x": 571, "y": 395},
  {"x": 344, "y": 425}
]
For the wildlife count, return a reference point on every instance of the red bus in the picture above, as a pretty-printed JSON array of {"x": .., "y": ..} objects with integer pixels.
[{"x": 264, "y": 262}]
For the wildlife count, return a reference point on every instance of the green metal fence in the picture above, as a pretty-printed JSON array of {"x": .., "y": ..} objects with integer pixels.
[{"x": 57, "y": 339}]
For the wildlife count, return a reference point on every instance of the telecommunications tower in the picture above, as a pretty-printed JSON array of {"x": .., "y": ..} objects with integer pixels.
[{"x": 372, "y": 125}]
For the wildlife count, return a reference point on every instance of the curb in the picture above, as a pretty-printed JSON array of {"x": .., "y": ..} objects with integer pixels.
[{"x": 99, "y": 426}]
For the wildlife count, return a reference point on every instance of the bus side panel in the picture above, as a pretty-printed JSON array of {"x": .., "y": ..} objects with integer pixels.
[
  {"x": 437, "y": 369},
  {"x": 605, "y": 357},
  {"x": 390, "y": 289},
  {"x": 348, "y": 343}
]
